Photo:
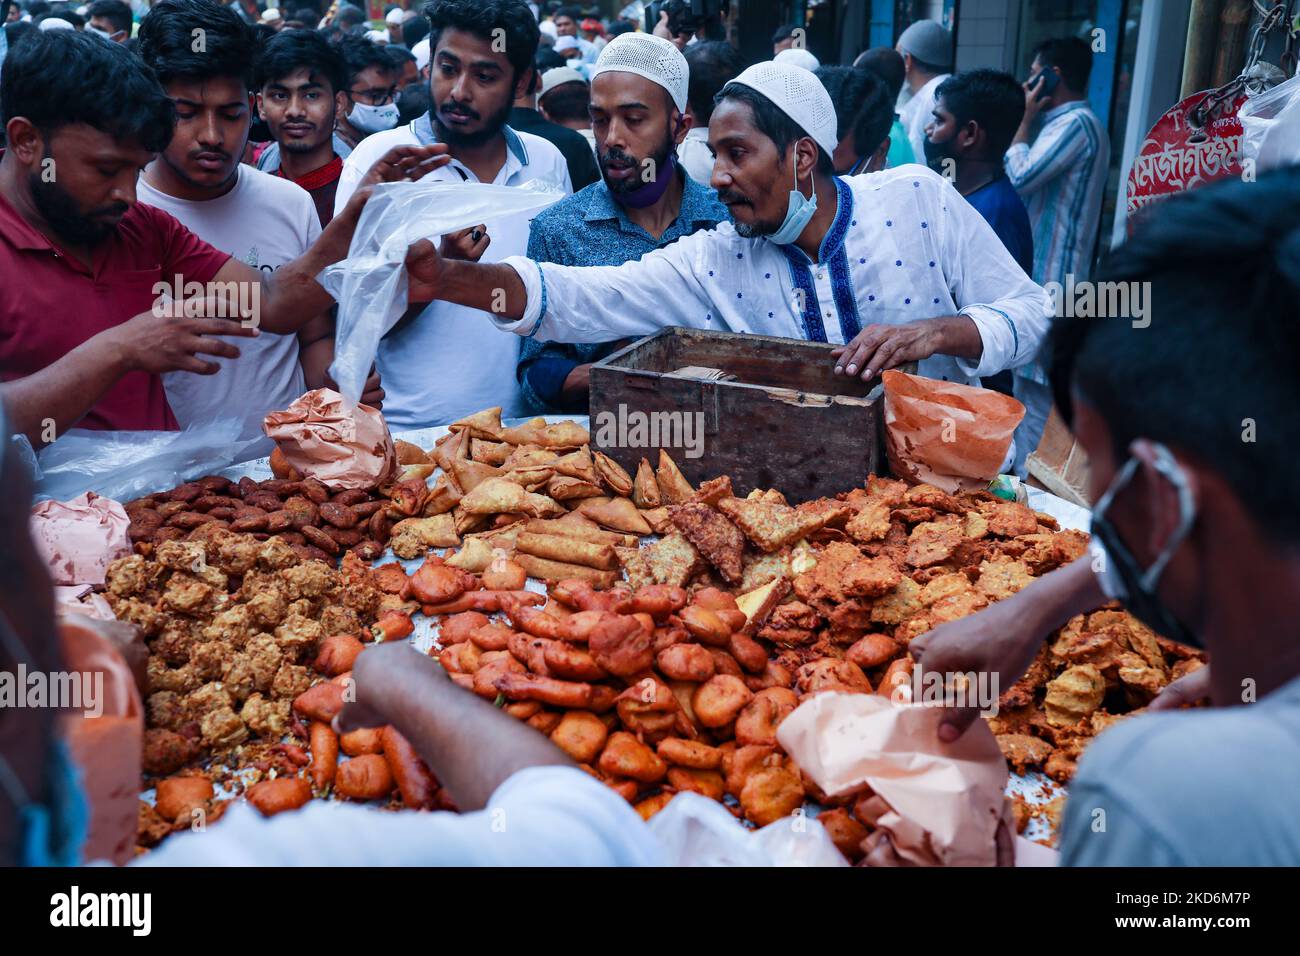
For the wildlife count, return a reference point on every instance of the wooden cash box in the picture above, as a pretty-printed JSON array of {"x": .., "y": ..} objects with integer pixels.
[{"x": 769, "y": 412}]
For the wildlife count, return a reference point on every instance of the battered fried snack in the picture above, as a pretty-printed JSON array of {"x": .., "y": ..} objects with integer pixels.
[
  {"x": 672, "y": 560},
  {"x": 580, "y": 734},
  {"x": 367, "y": 777},
  {"x": 612, "y": 475},
  {"x": 1075, "y": 694},
  {"x": 769, "y": 525},
  {"x": 413, "y": 537},
  {"x": 719, "y": 541},
  {"x": 568, "y": 550},
  {"x": 617, "y": 513},
  {"x": 276, "y": 796},
  {"x": 1024, "y": 752},
  {"x": 497, "y": 495},
  {"x": 547, "y": 570},
  {"x": 645, "y": 488},
  {"x": 673, "y": 486}
]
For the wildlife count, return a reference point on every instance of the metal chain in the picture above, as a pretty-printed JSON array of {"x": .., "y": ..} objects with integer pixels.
[{"x": 1271, "y": 18}]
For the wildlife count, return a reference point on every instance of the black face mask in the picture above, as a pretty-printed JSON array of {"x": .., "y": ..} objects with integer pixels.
[
  {"x": 1121, "y": 577},
  {"x": 936, "y": 153}
]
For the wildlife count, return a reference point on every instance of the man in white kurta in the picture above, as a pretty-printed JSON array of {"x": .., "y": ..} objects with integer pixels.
[
  {"x": 893, "y": 266},
  {"x": 904, "y": 246}
]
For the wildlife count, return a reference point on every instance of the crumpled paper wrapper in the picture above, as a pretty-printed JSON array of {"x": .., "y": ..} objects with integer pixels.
[
  {"x": 82, "y": 599},
  {"x": 80, "y": 538},
  {"x": 342, "y": 445},
  {"x": 106, "y": 749},
  {"x": 940, "y": 804},
  {"x": 946, "y": 434}
]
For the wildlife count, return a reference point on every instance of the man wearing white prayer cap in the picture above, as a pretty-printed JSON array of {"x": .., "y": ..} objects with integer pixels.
[
  {"x": 891, "y": 268},
  {"x": 644, "y": 201}
]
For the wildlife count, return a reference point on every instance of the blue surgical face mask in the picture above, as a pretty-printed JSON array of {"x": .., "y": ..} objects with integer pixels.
[{"x": 798, "y": 213}]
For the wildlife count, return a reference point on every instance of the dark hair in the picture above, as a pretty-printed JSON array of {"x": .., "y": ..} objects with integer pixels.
[
  {"x": 399, "y": 55},
  {"x": 1072, "y": 56},
  {"x": 784, "y": 32},
  {"x": 619, "y": 27},
  {"x": 292, "y": 50},
  {"x": 572, "y": 12},
  {"x": 1223, "y": 263},
  {"x": 413, "y": 102},
  {"x": 774, "y": 124},
  {"x": 62, "y": 77},
  {"x": 167, "y": 40},
  {"x": 17, "y": 30},
  {"x": 994, "y": 100},
  {"x": 548, "y": 59},
  {"x": 349, "y": 16},
  {"x": 37, "y": 7},
  {"x": 360, "y": 54},
  {"x": 482, "y": 17},
  {"x": 845, "y": 86},
  {"x": 887, "y": 64},
  {"x": 332, "y": 33},
  {"x": 569, "y": 101},
  {"x": 712, "y": 64},
  {"x": 414, "y": 30},
  {"x": 308, "y": 17},
  {"x": 114, "y": 11}
]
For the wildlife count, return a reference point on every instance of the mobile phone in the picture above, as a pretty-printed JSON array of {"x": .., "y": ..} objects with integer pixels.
[{"x": 1050, "y": 79}]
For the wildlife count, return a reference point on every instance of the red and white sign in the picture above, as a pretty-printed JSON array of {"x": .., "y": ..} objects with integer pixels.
[{"x": 1176, "y": 157}]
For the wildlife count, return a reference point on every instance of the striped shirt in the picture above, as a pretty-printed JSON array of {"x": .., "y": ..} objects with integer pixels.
[{"x": 1061, "y": 178}]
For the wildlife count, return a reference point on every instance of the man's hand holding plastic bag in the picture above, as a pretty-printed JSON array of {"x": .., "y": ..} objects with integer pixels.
[{"x": 397, "y": 232}]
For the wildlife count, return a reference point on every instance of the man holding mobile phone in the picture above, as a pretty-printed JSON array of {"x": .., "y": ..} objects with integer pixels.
[{"x": 1057, "y": 162}]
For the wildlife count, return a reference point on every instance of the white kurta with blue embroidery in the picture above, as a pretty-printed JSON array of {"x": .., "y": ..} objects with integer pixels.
[{"x": 904, "y": 246}]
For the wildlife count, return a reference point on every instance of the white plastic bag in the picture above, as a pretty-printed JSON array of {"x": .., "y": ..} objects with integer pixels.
[
  {"x": 125, "y": 465},
  {"x": 1270, "y": 123},
  {"x": 695, "y": 831},
  {"x": 370, "y": 284}
]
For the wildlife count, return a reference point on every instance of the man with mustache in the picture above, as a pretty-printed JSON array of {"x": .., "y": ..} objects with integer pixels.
[
  {"x": 85, "y": 331},
  {"x": 260, "y": 219},
  {"x": 893, "y": 267},
  {"x": 645, "y": 201},
  {"x": 445, "y": 361}
]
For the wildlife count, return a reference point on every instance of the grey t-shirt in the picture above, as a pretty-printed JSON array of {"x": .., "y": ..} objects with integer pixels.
[{"x": 1205, "y": 787}]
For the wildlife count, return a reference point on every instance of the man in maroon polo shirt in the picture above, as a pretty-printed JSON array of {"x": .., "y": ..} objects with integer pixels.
[{"x": 84, "y": 337}]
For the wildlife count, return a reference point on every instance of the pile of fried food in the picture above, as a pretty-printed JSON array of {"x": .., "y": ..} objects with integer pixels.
[
  {"x": 660, "y": 666},
  {"x": 677, "y": 678},
  {"x": 314, "y": 521},
  {"x": 239, "y": 630}
]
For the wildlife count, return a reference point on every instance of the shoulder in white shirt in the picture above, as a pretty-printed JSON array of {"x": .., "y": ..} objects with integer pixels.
[{"x": 264, "y": 221}]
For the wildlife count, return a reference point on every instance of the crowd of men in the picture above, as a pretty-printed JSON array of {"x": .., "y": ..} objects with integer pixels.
[
  {"x": 785, "y": 198},
  {"x": 279, "y": 116}
]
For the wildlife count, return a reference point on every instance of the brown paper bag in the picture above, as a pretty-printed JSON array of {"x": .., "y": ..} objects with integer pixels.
[
  {"x": 939, "y": 804},
  {"x": 325, "y": 438},
  {"x": 106, "y": 748},
  {"x": 949, "y": 435}
]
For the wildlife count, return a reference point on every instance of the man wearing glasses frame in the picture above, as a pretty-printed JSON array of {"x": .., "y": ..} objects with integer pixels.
[{"x": 369, "y": 104}]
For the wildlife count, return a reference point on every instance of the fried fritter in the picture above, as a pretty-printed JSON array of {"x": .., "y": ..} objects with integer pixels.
[{"x": 717, "y": 539}]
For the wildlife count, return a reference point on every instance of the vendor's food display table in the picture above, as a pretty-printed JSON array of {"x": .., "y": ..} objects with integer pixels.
[{"x": 745, "y": 607}]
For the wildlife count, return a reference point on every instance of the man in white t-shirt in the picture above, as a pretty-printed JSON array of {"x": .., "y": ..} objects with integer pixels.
[
  {"x": 445, "y": 361},
  {"x": 257, "y": 218}
]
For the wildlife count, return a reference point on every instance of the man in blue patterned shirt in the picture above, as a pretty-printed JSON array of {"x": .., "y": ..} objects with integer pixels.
[{"x": 644, "y": 200}]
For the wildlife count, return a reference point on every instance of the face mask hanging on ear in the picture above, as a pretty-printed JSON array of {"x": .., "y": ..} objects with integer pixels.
[
  {"x": 1118, "y": 571},
  {"x": 797, "y": 213}
]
